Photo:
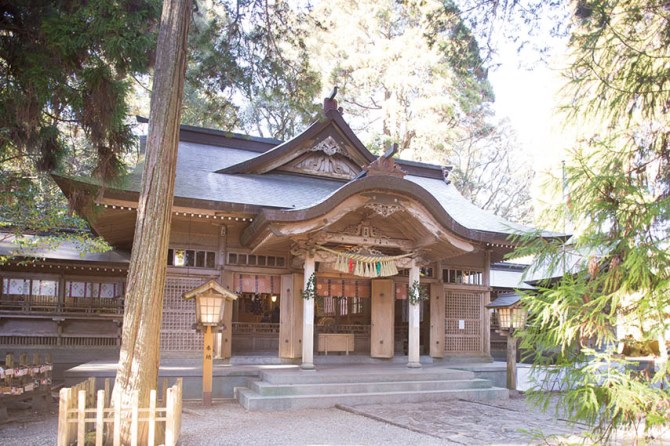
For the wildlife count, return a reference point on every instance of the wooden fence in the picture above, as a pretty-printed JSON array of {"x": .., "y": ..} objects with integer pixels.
[{"x": 87, "y": 417}]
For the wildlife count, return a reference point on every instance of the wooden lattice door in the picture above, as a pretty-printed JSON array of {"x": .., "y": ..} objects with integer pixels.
[
  {"x": 381, "y": 330},
  {"x": 463, "y": 322},
  {"x": 177, "y": 333}
]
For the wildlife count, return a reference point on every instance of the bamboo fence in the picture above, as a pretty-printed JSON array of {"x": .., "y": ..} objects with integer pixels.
[{"x": 86, "y": 417}]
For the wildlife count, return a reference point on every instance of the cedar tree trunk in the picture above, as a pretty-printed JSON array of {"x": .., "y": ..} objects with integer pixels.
[{"x": 140, "y": 347}]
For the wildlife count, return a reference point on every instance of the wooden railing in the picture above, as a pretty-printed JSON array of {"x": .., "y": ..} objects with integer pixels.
[
  {"x": 87, "y": 417},
  {"x": 51, "y": 304},
  {"x": 255, "y": 337}
]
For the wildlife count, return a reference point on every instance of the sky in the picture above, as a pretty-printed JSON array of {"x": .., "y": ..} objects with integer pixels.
[{"x": 529, "y": 97}]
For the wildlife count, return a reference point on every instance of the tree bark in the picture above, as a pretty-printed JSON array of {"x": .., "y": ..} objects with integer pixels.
[{"x": 137, "y": 370}]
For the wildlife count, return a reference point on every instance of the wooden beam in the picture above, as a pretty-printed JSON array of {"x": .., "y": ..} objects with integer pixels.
[{"x": 366, "y": 241}]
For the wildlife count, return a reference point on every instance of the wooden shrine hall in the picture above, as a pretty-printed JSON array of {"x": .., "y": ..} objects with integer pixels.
[{"x": 329, "y": 248}]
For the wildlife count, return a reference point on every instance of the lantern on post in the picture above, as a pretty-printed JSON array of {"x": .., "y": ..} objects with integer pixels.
[
  {"x": 511, "y": 316},
  {"x": 210, "y": 299}
]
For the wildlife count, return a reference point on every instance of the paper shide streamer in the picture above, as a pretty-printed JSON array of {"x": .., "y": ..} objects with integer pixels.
[{"x": 365, "y": 265}]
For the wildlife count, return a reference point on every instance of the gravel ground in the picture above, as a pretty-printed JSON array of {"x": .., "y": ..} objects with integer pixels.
[
  {"x": 235, "y": 426},
  {"x": 508, "y": 422},
  {"x": 227, "y": 423}
]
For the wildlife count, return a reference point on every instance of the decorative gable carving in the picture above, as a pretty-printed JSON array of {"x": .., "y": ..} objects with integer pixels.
[
  {"x": 364, "y": 229},
  {"x": 327, "y": 158},
  {"x": 329, "y": 146}
]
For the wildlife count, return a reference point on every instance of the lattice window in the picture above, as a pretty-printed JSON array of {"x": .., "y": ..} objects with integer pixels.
[
  {"x": 177, "y": 333},
  {"x": 463, "y": 322},
  {"x": 191, "y": 258},
  {"x": 237, "y": 258},
  {"x": 462, "y": 277}
]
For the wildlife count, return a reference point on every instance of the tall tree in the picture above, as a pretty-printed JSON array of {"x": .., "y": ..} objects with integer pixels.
[
  {"x": 617, "y": 281},
  {"x": 408, "y": 71},
  {"x": 64, "y": 78},
  {"x": 139, "y": 358},
  {"x": 250, "y": 69},
  {"x": 65, "y": 62},
  {"x": 490, "y": 170}
]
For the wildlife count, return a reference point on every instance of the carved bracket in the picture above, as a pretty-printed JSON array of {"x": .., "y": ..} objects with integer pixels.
[
  {"x": 383, "y": 209},
  {"x": 300, "y": 248}
]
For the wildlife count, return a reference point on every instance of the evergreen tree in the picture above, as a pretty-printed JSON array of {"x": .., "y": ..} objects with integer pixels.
[
  {"x": 613, "y": 281},
  {"x": 410, "y": 72},
  {"x": 139, "y": 357},
  {"x": 65, "y": 77},
  {"x": 250, "y": 70}
]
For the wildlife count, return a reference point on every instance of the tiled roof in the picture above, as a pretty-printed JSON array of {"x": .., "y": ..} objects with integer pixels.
[
  {"x": 504, "y": 300},
  {"x": 197, "y": 179},
  {"x": 509, "y": 279},
  {"x": 66, "y": 250}
]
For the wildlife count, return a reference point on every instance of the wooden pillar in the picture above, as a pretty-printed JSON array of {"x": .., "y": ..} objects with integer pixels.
[
  {"x": 207, "y": 356},
  {"x": 414, "y": 360},
  {"x": 511, "y": 360},
  {"x": 437, "y": 317},
  {"x": 290, "y": 316},
  {"x": 308, "y": 318},
  {"x": 486, "y": 314},
  {"x": 224, "y": 340}
]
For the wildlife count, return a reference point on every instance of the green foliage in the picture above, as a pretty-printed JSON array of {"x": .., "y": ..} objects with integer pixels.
[
  {"x": 63, "y": 104},
  {"x": 249, "y": 69},
  {"x": 416, "y": 293},
  {"x": 615, "y": 272},
  {"x": 613, "y": 279},
  {"x": 408, "y": 72},
  {"x": 33, "y": 206},
  {"x": 68, "y": 62},
  {"x": 310, "y": 289}
]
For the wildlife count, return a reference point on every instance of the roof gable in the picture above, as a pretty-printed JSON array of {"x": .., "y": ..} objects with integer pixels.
[{"x": 328, "y": 148}]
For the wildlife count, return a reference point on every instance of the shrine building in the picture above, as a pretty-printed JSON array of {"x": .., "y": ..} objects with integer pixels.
[{"x": 271, "y": 221}]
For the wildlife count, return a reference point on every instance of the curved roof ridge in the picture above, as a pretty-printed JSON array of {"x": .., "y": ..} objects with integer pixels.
[{"x": 386, "y": 184}]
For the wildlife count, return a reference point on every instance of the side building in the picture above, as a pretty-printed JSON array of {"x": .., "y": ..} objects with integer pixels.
[{"x": 260, "y": 216}]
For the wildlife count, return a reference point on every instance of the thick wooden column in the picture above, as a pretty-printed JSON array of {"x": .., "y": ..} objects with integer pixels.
[
  {"x": 290, "y": 316},
  {"x": 414, "y": 360},
  {"x": 308, "y": 318},
  {"x": 437, "y": 317},
  {"x": 224, "y": 340}
]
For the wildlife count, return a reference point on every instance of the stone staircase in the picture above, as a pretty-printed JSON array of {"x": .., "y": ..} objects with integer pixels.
[{"x": 356, "y": 385}]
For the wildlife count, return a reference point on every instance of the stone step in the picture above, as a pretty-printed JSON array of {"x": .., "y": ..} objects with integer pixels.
[
  {"x": 268, "y": 389},
  {"x": 375, "y": 374},
  {"x": 252, "y": 401}
]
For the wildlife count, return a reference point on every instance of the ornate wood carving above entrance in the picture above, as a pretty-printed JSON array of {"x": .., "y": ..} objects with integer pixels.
[
  {"x": 364, "y": 229},
  {"x": 327, "y": 158},
  {"x": 383, "y": 209}
]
